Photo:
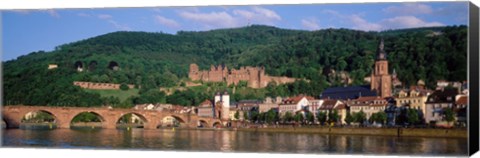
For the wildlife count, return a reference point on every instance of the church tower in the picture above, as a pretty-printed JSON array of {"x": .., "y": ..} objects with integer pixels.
[{"x": 381, "y": 81}]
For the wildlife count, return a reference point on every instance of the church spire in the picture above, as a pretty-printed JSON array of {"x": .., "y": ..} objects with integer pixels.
[{"x": 381, "y": 53}]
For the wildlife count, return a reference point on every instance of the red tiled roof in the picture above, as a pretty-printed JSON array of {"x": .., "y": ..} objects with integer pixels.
[
  {"x": 294, "y": 100},
  {"x": 463, "y": 100},
  {"x": 310, "y": 98},
  {"x": 329, "y": 102},
  {"x": 368, "y": 101},
  {"x": 340, "y": 106},
  {"x": 362, "y": 99}
]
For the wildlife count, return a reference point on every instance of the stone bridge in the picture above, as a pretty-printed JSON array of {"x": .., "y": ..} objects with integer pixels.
[{"x": 13, "y": 115}]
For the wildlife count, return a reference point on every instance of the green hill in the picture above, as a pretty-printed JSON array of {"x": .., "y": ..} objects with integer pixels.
[{"x": 154, "y": 60}]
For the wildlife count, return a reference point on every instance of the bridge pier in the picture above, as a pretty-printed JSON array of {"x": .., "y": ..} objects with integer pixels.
[
  {"x": 109, "y": 125},
  {"x": 63, "y": 125},
  {"x": 149, "y": 126}
]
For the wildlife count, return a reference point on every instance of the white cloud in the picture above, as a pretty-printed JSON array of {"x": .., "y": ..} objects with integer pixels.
[
  {"x": 362, "y": 24},
  {"x": 358, "y": 22},
  {"x": 267, "y": 13},
  {"x": 231, "y": 18},
  {"x": 244, "y": 13},
  {"x": 210, "y": 20},
  {"x": 355, "y": 20},
  {"x": 409, "y": 9},
  {"x": 310, "y": 24},
  {"x": 167, "y": 22},
  {"x": 104, "y": 16},
  {"x": 257, "y": 15},
  {"x": 407, "y": 22}
]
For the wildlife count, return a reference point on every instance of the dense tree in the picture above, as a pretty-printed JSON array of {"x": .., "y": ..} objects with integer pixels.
[
  {"x": 298, "y": 117},
  {"x": 372, "y": 118},
  {"x": 333, "y": 116},
  {"x": 271, "y": 116},
  {"x": 360, "y": 117},
  {"x": 237, "y": 115},
  {"x": 153, "y": 97},
  {"x": 349, "y": 118},
  {"x": 245, "y": 115},
  {"x": 124, "y": 87},
  {"x": 412, "y": 115},
  {"x": 309, "y": 117},
  {"x": 287, "y": 117},
  {"x": 381, "y": 117},
  {"x": 449, "y": 115},
  {"x": 322, "y": 117}
]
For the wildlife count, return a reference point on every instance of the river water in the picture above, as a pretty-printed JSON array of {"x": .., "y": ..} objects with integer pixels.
[{"x": 233, "y": 141}]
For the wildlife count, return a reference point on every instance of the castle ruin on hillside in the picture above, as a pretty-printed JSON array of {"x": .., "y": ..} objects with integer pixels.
[{"x": 255, "y": 76}]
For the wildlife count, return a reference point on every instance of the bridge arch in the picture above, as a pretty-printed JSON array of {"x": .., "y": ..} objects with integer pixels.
[
  {"x": 90, "y": 118},
  {"x": 171, "y": 120},
  {"x": 41, "y": 118},
  {"x": 34, "y": 113},
  {"x": 217, "y": 124},
  {"x": 132, "y": 119},
  {"x": 203, "y": 123}
]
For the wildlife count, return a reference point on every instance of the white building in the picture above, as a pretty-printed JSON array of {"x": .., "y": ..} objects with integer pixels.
[
  {"x": 294, "y": 104},
  {"x": 222, "y": 106},
  {"x": 368, "y": 105}
]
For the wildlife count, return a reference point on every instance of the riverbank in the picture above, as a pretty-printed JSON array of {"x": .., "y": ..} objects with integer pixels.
[{"x": 398, "y": 132}]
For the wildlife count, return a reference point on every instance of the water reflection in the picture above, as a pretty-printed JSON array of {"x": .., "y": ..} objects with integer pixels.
[
  {"x": 232, "y": 141},
  {"x": 225, "y": 136}
]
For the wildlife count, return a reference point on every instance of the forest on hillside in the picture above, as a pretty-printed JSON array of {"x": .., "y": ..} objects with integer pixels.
[{"x": 158, "y": 60}]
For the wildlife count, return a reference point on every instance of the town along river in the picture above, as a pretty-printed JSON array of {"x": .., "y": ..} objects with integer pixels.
[{"x": 233, "y": 141}]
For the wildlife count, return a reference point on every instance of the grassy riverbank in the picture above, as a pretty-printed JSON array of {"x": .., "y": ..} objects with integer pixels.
[{"x": 401, "y": 132}]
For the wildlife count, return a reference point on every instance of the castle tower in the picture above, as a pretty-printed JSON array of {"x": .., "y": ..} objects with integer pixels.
[
  {"x": 217, "y": 98},
  {"x": 217, "y": 106},
  {"x": 381, "y": 81},
  {"x": 225, "y": 106},
  {"x": 193, "y": 73}
]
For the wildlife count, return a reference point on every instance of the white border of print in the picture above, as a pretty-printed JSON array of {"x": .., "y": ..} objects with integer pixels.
[{"x": 62, "y": 153}]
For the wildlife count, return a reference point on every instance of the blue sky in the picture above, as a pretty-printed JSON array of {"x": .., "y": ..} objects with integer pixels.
[{"x": 25, "y": 31}]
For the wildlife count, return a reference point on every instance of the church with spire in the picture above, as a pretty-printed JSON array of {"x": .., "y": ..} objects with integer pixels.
[{"x": 381, "y": 80}]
